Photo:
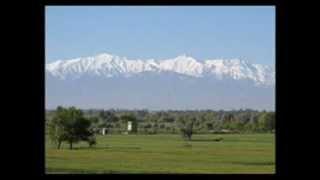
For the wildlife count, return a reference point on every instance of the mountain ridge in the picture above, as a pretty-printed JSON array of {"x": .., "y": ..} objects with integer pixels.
[{"x": 107, "y": 65}]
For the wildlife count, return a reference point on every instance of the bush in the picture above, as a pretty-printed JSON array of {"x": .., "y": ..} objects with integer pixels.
[{"x": 92, "y": 141}]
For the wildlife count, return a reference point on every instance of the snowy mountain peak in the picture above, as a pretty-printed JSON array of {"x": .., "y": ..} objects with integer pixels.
[{"x": 108, "y": 65}]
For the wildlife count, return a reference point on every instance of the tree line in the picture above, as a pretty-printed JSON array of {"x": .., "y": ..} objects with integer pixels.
[{"x": 72, "y": 125}]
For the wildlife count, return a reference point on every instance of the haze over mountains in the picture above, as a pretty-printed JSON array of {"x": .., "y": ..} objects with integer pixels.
[{"x": 109, "y": 81}]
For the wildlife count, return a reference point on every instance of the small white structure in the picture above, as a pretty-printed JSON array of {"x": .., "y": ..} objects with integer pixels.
[
  {"x": 103, "y": 131},
  {"x": 129, "y": 125}
]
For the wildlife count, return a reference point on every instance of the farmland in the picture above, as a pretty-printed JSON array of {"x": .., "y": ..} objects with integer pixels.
[{"x": 166, "y": 154}]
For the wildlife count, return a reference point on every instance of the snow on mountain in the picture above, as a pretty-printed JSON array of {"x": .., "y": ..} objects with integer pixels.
[
  {"x": 107, "y": 65},
  {"x": 182, "y": 65}
]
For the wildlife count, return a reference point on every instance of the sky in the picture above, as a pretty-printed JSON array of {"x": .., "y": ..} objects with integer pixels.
[{"x": 161, "y": 32}]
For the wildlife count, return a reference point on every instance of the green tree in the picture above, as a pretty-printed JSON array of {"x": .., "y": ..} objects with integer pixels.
[
  {"x": 69, "y": 125},
  {"x": 186, "y": 126},
  {"x": 266, "y": 121},
  {"x": 95, "y": 124},
  {"x": 56, "y": 131}
]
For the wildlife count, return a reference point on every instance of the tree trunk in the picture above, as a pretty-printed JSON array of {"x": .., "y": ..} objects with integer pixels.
[
  {"x": 59, "y": 144},
  {"x": 71, "y": 145},
  {"x": 189, "y": 137}
]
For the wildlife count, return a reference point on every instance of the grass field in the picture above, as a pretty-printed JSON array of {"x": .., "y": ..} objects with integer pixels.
[{"x": 247, "y": 153}]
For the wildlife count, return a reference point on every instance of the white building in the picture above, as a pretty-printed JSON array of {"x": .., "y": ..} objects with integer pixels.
[
  {"x": 104, "y": 131},
  {"x": 129, "y": 126}
]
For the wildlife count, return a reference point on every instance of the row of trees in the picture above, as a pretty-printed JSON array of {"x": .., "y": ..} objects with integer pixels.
[
  {"x": 72, "y": 125},
  {"x": 241, "y": 121}
]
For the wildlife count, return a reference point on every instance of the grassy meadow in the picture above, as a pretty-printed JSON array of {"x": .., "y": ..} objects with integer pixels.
[{"x": 166, "y": 154}]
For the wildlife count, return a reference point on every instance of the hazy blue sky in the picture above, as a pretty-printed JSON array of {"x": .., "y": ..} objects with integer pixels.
[{"x": 162, "y": 32}]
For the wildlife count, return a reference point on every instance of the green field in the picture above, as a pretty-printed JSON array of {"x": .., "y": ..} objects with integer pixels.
[{"x": 246, "y": 153}]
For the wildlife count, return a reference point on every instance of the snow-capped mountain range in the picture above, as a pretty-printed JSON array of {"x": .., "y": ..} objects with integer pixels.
[
  {"x": 109, "y": 81},
  {"x": 107, "y": 66}
]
